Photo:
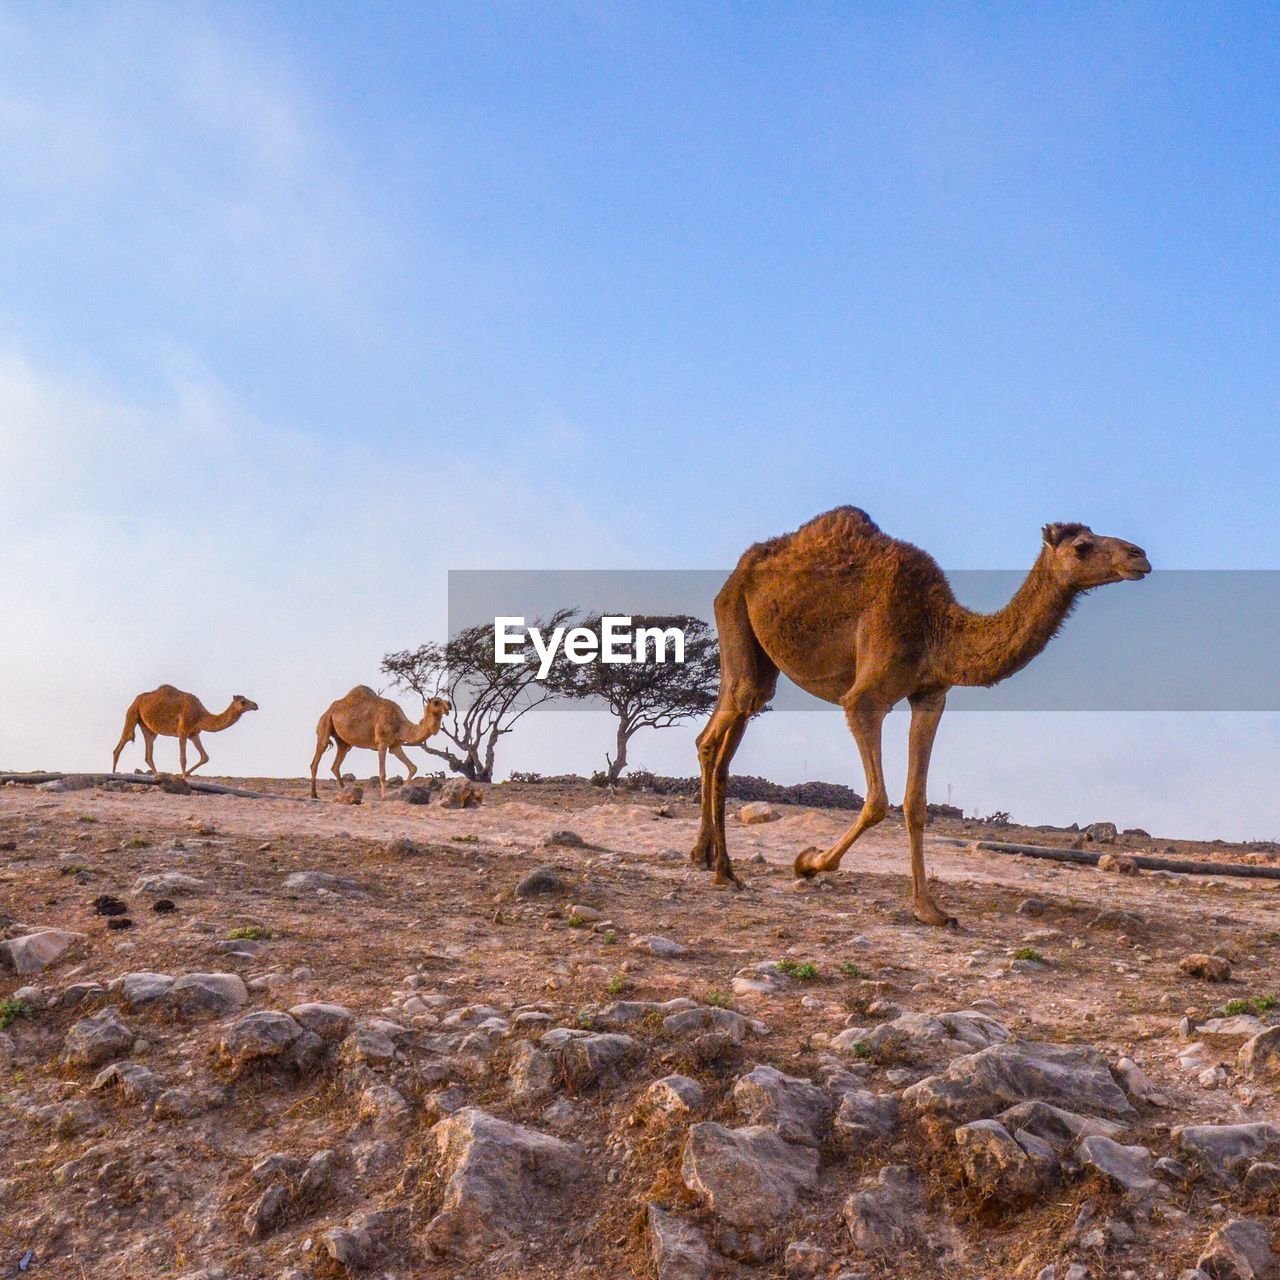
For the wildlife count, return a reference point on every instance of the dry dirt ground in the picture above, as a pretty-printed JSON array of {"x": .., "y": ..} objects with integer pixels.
[{"x": 108, "y": 1182}]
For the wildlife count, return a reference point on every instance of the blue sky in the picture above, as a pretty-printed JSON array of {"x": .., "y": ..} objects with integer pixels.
[{"x": 302, "y": 306}]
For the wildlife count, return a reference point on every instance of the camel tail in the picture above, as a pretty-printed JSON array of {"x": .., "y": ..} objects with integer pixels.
[{"x": 132, "y": 718}]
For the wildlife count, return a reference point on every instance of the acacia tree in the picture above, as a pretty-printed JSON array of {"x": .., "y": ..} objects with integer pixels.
[
  {"x": 649, "y": 694},
  {"x": 488, "y": 697}
]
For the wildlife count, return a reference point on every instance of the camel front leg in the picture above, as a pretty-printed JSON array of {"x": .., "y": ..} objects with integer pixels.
[
  {"x": 382, "y": 770},
  {"x": 199, "y": 746},
  {"x": 865, "y": 713},
  {"x": 926, "y": 712},
  {"x": 338, "y": 757},
  {"x": 399, "y": 754},
  {"x": 182, "y": 755}
]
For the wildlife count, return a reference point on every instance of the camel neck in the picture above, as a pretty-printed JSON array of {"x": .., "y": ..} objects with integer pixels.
[
  {"x": 224, "y": 720},
  {"x": 984, "y": 648}
]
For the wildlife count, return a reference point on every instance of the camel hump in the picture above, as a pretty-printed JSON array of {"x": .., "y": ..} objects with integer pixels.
[
  {"x": 829, "y": 540},
  {"x": 167, "y": 689},
  {"x": 362, "y": 691}
]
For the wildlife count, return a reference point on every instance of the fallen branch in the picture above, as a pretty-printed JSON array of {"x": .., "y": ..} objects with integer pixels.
[
  {"x": 147, "y": 779},
  {"x": 1146, "y": 862}
]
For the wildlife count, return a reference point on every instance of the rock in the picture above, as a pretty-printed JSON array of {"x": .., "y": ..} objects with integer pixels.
[
  {"x": 164, "y": 884},
  {"x": 540, "y": 880},
  {"x": 710, "y": 1018},
  {"x": 96, "y": 1040},
  {"x": 403, "y": 847},
  {"x": 660, "y": 946},
  {"x": 460, "y": 793},
  {"x": 582, "y": 1057},
  {"x": 1238, "y": 1027},
  {"x": 350, "y": 795},
  {"x": 1120, "y": 921},
  {"x": 131, "y": 1080},
  {"x": 806, "y": 1260},
  {"x": 1222, "y": 1151},
  {"x": 1117, "y": 865},
  {"x": 679, "y": 1250},
  {"x": 583, "y": 914},
  {"x": 312, "y": 881},
  {"x": 533, "y": 1073},
  {"x": 1263, "y": 1179},
  {"x": 367, "y": 1046},
  {"x": 1129, "y": 1168},
  {"x": 623, "y": 1013},
  {"x": 1101, "y": 832},
  {"x": 670, "y": 1098},
  {"x": 980, "y": 1084},
  {"x": 267, "y": 1213},
  {"x": 562, "y": 839},
  {"x": 795, "y": 1109},
  {"x": 916, "y": 1037},
  {"x": 209, "y": 994},
  {"x": 355, "y": 1245},
  {"x": 1137, "y": 1084},
  {"x": 996, "y": 1165},
  {"x": 384, "y": 1106},
  {"x": 882, "y": 1218},
  {"x": 1059, "y": 1129},
  {"x": 33, "y": 952},
  {"x": 138, "y": 990},
  {"x": 498, "y": 1176},
  {"x": 863, "y": 1115},
  {"x": 1032, "y": 907},
  {"x": 749, "y": 1177},
  {"x": 1210, "y": 968},
  {"x": 1240, "y": 1250},
  {"x": 185, "y": 1104},
  {"x": 331, "y": 1022},
  {"x": 763, "y": 979},
  {"x": 756, "y": 812},
  {"x": 415, "y": 793},
  {"x": 257, "y": 1036},
  {"x": 1260, "y": 1056},
  {"x": 105, "y": 905}
]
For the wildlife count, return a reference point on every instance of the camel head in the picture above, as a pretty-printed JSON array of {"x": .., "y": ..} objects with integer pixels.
[
  {"x": 434, "y": 711},
  {"x": 1082, "y": 559},
  {"x": 242, "y": 704}
]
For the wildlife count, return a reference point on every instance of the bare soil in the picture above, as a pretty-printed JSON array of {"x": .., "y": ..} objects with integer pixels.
[{"x": 111, "y": 1191}]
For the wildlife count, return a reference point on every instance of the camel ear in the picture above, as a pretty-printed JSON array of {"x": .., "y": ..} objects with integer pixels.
[{"x": 1052, "y": 534}]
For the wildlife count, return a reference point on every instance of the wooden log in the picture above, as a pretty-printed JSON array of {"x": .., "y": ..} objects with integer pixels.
[
  {"x": 147, "y": 779},
  {"x": 1147, "y": 862}
]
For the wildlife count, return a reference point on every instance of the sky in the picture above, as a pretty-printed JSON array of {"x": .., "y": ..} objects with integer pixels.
[{"x": 302, "y": 306}]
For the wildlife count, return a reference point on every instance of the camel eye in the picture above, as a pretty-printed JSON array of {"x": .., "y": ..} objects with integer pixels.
[{"x": 1083, "y": 550}]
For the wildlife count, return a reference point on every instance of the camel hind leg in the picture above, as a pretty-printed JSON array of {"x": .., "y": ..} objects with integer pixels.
[
  {"x": 338, "y": 757},
  {"x": 748, "y": 679},
  {"x": 149, "y": 742},
  {"x": 131, "y": 722},
  {"x": 199, "y": 746},
  {"x": 324, "y": 734}
]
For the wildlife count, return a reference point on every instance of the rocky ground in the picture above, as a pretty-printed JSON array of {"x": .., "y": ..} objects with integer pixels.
[{"x": 524, "y": 1038}]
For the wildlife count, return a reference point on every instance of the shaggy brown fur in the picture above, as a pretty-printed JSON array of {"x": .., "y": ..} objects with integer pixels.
[
  {"x": 858, "y": 618},
  {"x": 170, "y": 712},
  {"x": 363, "y": 719}
]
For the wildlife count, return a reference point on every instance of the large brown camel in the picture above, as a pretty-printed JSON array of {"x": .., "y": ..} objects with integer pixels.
[
  {"x": 362, "y": 719},
  {"x": 169, "y": 712},
  {"x": 860, "y": 619}
]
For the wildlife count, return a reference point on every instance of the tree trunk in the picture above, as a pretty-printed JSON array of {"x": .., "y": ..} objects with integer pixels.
[{"x": 619, "y": 761}]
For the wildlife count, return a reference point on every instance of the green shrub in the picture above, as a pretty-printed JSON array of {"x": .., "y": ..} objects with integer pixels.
[{"x": 804, "y": 970}]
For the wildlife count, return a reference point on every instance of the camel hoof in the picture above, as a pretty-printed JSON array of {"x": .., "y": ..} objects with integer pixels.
[
  {"x": 931, "y": 913},
  {"x": 730, "y": 881},
  {"x": 806, "y": 864}
]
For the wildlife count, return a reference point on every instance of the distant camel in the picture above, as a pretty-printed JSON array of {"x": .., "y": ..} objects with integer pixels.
[
  {"x": 362, "y": 719},
  {"x": 170, "y": 712},
  {"x": 860, "y": 619}
]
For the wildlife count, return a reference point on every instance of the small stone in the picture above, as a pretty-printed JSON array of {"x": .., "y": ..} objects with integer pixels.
[
  {"x": 883, "y": 1217},
  {"x": 258, "y": 1036},
  {"x": 806, "y": 1260},
  {"x": 671, "y": 1098},
  {"x": 1117, "y": 864},
  {"x": 209, "y": 994},
  {"x": 331, "y": 1022},
  {"x": 665, "y": 948},
  {"x": 757, "y": 812},
  {"x": 267, "y": 1213},
  {"x": 1210, "y": 968},
  {"x": 678, "y": 1248},
  {"x": 794, "y": 1108},
  {"x": 1239, "y": 1250},
  {"x": 403, "y": 847},
  {"x": 562, "y": 839},
  {"x": 137, "y": 990},
  {"x": 131, "y": 1080},
  {"x": 540, "y": 880},
  {"x": 1129, "y": 1168},
  {"x": 170, "y": 884},
  {"x": 460, "y": 793},
  {"x": 1260, "y": 1055},
  {"x": 748, "y": 1177},
  {"x": 96, "y": 1040},
  {"x": 33, "y": 952}
]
